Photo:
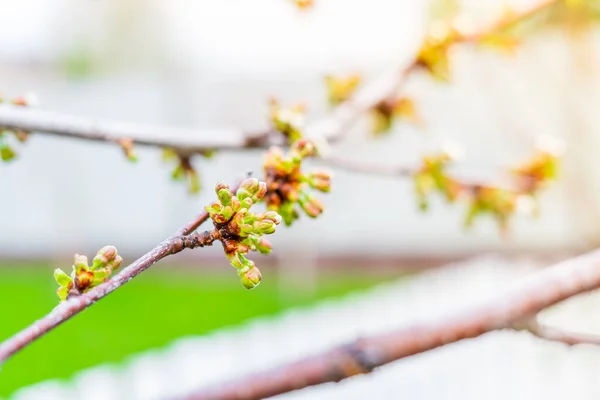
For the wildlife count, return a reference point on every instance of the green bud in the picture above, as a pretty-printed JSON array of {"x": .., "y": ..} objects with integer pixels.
[
  {"x": 247, "y": 203},
  {"x": 100, "y": 275},
  {"x": 214, "y": 208},
  {"x": 7, "y": 153},
  {"x": 250, "y": 184},
  {"x": 264, "y": 227},
  {"x": 61, "y": 277},
  {"x": 242, "y": 194},
  {"x": 225, "y": 196},
  {"x": 227, "y": 213},
  {"x": 250, "y": 277}
]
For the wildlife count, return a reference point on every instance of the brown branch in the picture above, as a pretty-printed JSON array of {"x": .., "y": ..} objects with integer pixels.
[
  {"x": 553, "y": 334},
  {"x": 188, "y": 140},
  {"x": 75, "y": 305},
  {"x": 542, "y": 290}
]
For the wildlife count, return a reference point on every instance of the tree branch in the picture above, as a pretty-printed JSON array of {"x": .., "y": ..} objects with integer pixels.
[
  {"x": 75, "y": 305},
  {"x": 542, "y": 290},
  {"x": 553, "y": 334},
  {"x": 190, "y": 140}
]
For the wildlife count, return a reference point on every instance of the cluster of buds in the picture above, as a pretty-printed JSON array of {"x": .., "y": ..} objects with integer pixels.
[
  {"x": 432, "y": 176},
  {"x": 542, "y": 168},
  {"x": 240, "y": 230},
  {"x": 500, "y": 203},
  {"x": 287, "y": 185},
  {"x": 434, "y": 54},
  {"x": 7, "y": 153},
  {"x": 386, "y": 111},
  {"x": 340, "y": 89},
  {"x": 83, "y": 277},
  {"x": 288, "y": 121},
  {"x": 184, "y": 170}
]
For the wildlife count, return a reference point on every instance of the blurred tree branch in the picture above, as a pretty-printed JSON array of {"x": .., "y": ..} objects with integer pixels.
[{"x": 542, "y": 290}]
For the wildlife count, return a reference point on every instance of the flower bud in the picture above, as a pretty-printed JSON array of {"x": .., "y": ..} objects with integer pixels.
[
  {"x": 250, "y": 184},
  {"x": 264, "y": 227},
  {"x": 116, "y": 263},
  {"x": 260, "y": 193},
  {"x": 273, "y": 216},
  {"x": 264, "y": 246},
  {"x": 250, "y": 277},
  {"x": 80, "y": 263},
  {"x": 214, "y": 208},
  {"x": 225, "y": 196},
  {"x": 221, "y": 186}
]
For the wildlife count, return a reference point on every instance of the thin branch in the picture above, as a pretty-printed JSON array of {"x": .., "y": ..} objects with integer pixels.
[
  {"x": 75, "y": 305},
  {"x": 542, "y": 290},
  {"x": 553, "y": 334},
  {"x": 190, "y": 140}
]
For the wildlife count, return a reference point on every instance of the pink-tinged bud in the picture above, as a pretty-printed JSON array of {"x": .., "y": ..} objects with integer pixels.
[
  {"x": 107, "y": 253},
  {"x": 264, "y": 246},
  {"x": 313, "y": 207},
  {"x": 273, "y": 216},
  {"x": 236, "y": 204},
  {"x": 250, "y": 184},
  {"x": 80, "y": 263},
  {"x": 250, "y": 277},
  {"x": 116, "y": 263},
  {"x": 260, "y": 193},
  {"x": 220, "y": 186}
]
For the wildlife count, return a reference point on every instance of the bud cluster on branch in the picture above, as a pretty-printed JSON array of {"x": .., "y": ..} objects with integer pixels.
[
  {"x": 288, "y": 185},
  {"x": 7, "y": 153},
  {"x": 83, "y": 276},
  {"x": 241, "y": 230}
]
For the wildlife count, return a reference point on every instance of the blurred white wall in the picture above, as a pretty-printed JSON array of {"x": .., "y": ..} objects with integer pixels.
[{"x": 214, "y": 64}]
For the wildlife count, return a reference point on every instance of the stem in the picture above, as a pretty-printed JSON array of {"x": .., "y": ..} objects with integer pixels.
[
  {"x": 71, "y": 307},
  {"x": 558, "y": 335},
  {"x": 544, "y": 289}
]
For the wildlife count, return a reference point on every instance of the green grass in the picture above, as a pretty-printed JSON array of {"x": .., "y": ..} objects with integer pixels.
[{"x": 150, "y": 311}]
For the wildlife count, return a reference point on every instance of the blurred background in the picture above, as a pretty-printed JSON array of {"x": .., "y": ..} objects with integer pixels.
[{"x": 209, "y": 65}]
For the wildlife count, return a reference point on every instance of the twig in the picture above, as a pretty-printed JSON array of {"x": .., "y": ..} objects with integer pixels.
[
  {"x": 553, "y": 334},
  {"x": 189, "y": 140},
  {"x": 544, "y": 289},
  {"x": 75, "y": 305}
]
